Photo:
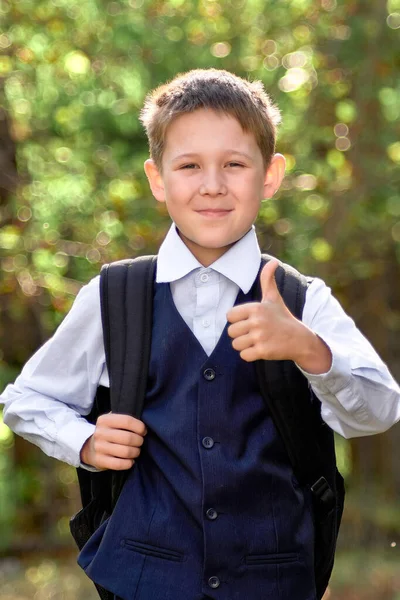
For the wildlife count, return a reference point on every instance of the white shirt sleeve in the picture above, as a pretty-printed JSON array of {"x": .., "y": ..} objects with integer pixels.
[
  {"x": 47, "y": 403},
  {"x": 358, "y": 394}
]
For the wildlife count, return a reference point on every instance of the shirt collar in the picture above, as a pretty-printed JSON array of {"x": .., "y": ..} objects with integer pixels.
[{"x": 240, "y": 263}]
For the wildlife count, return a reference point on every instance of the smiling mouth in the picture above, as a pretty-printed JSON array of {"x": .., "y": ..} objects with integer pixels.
[{"x": 214, "y": 212}]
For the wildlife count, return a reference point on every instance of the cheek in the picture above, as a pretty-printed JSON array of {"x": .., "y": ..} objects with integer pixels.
[
  {"x": 252, "y": 189},
  {"x": 172, "y": 189},
  {"x": 252, "y": 180},
  {"x": 180, "y": 185},
  {"x": 176, "y": 200}
]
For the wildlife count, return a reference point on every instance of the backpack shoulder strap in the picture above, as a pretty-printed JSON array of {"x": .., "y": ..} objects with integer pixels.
[
  {"x": 126, "y": 293},
  {"x": 126, "y": 296},
  {"x": 294, "y": 408}
]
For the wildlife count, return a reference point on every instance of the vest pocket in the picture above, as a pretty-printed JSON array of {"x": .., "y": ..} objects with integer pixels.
[
  {"x": 155, "y": 551},
  {"x": 253, "y": 560}
]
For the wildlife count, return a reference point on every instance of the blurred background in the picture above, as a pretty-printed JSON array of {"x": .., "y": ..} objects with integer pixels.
[{"x": 73, "y": 76}]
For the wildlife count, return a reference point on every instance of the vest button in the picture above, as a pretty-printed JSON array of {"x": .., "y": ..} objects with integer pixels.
[
  {"x": 207, "y": 442},
  {"x": 209, "y": 374},
  {"x": 211, "y": 514},
  {"x": 214, "y": 582}
]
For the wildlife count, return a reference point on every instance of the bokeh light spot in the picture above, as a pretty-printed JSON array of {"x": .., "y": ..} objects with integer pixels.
[
  {"x": 6, "y": 435},
  {"x": 103, "y": 238},
  {"x": 393, "y": 20},
  {"x": 63, "y": 154},
  {"x": 283, "y": 226},
  {"x": 271, "y": 63},
  {"x": 6, "y": 65},
  {"x": 77, "y": 63},
  {"x": 314, "y": 203},
  {"x": 174, "y": 34},
  {"x": 343, "y": 144},
  {"x": 393, "y": 152},
  {"x": 93, "y": 255},
  {"x": 346, "y": 111},
  {"x": 335, "y": 159},
  {"x": 5, "y": 41},
  {"x": 293, "y": 79},
  {"x": 321, "y": 250},
  {"x": 22, "y": 107},
  {"x": 24, "y": 214},
  {"x": 221, "y": 49},
  {"x": 290, "y": 162},
  {"x": 302, "y": 33},
  {"x": 306, "y": 181},
  {"x": 294, "y": 59},
  {"x": 269, "y": 47},
  {"x": 341, "y": 130}
]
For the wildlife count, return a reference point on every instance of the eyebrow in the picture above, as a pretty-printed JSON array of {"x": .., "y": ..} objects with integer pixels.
[{"x": 195, "y": 154}]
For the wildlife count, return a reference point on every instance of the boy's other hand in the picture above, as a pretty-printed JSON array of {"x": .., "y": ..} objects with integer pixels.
[
  {"x": 267, "y": 330},
  {"x": 115, "y": 444}
]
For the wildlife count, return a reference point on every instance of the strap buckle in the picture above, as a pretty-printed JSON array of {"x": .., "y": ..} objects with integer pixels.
[{"x": 323, "y": 492}]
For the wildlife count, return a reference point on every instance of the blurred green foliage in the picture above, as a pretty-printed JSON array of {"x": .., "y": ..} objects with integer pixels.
[{"x": 73, "y": 77}]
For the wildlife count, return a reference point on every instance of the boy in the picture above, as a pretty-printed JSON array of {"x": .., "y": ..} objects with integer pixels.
[{"x": 212, "y": 508}]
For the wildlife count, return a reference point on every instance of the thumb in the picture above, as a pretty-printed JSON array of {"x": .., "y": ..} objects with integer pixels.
[{"x": 269, "y": 290}]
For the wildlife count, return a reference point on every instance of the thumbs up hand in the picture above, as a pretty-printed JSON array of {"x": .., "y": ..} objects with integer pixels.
[
  {"x": 267, "y": 330},
  {"x": 269, "y": 290}
]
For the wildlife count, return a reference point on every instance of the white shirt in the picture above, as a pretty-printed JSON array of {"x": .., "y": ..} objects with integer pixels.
[{"x": 55, "y": 389}]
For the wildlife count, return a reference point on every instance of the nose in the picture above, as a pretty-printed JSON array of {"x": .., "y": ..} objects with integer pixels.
[{"x": 213, "y": 183}]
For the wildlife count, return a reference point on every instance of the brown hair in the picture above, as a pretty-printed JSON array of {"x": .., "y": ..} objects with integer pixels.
[{"x": 219, "y": 90}]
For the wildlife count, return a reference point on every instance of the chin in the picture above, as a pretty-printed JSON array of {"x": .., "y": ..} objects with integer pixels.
[{"x": 217, "y": 245}]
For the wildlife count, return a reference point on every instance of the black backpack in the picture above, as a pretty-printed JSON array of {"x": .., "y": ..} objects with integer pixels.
[{"x": 126, "y": 292}]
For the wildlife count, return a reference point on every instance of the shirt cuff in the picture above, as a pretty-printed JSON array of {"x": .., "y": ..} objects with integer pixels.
[
  {"x": 339, "y": 375},
  {"x": 70, "y": 440}
]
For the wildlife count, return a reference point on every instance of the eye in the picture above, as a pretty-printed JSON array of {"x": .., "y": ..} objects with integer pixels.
[
  {"x": 235, "y": 164},
  {"x": 189, "y": 166}
]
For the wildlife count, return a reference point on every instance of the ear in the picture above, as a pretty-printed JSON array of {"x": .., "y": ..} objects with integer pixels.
[
  {"x": 155, "y": 180},
  {"x": 274, "y": 175}
]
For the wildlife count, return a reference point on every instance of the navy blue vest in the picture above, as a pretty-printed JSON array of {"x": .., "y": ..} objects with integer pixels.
[{"x": 212, "y": 508}]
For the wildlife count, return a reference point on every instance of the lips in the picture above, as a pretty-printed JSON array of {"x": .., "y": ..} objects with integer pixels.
[{"x": 214, "y": 212}]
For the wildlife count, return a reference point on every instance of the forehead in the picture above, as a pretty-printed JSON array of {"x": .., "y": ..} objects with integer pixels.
[{"x": 206, "y": 130}]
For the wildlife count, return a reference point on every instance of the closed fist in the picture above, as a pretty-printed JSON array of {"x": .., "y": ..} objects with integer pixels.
[{"x": 115, "y": 444}]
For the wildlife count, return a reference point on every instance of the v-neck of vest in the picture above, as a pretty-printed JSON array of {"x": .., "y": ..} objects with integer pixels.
[{"x": 190, "y": 332}]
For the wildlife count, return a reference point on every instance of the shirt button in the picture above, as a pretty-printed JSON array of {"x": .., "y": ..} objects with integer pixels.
[
  {"x": 209, "y": 374},
  {"x": 207, "y": 442},
  {"x": 206, "y": 322},
  {"x": 204, "y": 277},
  {"x": 211, "y": 514},
  {"x": 214, "y": 582}
]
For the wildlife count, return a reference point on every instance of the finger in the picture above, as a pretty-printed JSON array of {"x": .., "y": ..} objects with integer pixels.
[
  {"x": 117, "y": 450},
  {"x": 269, "y": 290},
  {"x": 119, "y": 436},
  {"x": 241, "y": 312},
  {"x": 126, "y": 422},
  {"x": 238, "y": 329},
  {"x": 116, "y": 464},
  {"x": 243, "y": 342},
  {"x": 250, "y": 354}
]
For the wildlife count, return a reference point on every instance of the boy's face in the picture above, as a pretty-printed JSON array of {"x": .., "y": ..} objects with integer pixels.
[{"x": 213, "y": 180}]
